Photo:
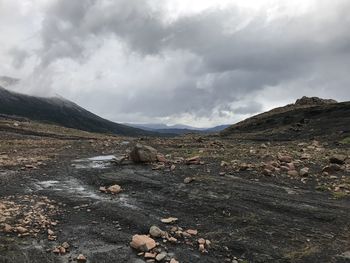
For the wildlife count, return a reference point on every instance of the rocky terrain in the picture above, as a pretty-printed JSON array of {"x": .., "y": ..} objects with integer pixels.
[
  {"x": 307, "y": 118},
  {"x": 74, "y": 196}
]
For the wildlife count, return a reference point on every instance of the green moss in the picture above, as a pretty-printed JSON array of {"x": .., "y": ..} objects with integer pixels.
[
  {"x": 296, "y": 256},
  {"x": 339, "y": 195},
  {"x": 345, "y": 140}
]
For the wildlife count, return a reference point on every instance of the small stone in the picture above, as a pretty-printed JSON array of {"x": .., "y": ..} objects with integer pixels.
[
  {"x": 285, "y": 158},
  {"x": 150, "y": 255},
  {"x": 224, "y": 164},
  {"x": 188, "y": 180},
  {"x": 192, "y": 232},
  {"x": 201, "y": 248},
  {"x": 173, "y": 260},
  {"x": 161, "y": 158},
  {"x": 304, "y": 172},
  {"x": 169, "y": 220},
  {"x": 161, "y": 256},
  {"x": 50, "y": 232},
  {"x": 293, "y": 173},
  {"x": 201, "y": 241},
  {"x": 114, "y": 189},
  {"x": 56, "y": 250},
  {"x": 62, "y": 250},
  {"x": 172, "y": 167},
  {"x": 155, "y": 231},
  {"x": 193, "y": 160},
  {"x": 21, "y": 230},
  {"x": 142, "y": 243},
  {"x": 172, "y": 239},
  {"x": 65, "y": 245},
  {"x": 7, "y": 228},
  {"x": 267, "y": 172},
  {"x": 81, "y": 258},
  {"x": 338, "y": 159},
  {"x": 103, "y": 189},
  {"x": 332, "y": 168}
]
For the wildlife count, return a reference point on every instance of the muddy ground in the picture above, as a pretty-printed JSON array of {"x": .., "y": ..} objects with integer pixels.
[{"x": 247, "y": 216}]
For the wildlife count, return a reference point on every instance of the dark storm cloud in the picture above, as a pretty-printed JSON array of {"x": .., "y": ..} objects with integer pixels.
[{"x": 224, "y": 54}]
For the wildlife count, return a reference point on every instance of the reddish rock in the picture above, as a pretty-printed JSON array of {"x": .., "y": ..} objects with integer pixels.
[
  {"x": 142, "y": 243},
  {"x": 193, "y": 160},
  {"x": 285, "y": 158},
  {"x": 114, "y": 189}
]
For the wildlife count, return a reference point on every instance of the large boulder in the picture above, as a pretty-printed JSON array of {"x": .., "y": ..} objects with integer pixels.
[{"x": 143, "y": 154}]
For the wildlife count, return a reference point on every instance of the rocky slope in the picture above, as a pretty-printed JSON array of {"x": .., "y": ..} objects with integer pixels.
[
  {"x": 307, "y": 118},
  {"x": 62, "y": 112}
]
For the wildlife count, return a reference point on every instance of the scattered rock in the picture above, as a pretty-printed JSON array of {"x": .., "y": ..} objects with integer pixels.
[
  {"x": 293, "y": 173},
  {"x": 103, "y": 189},
  {"x": 332, "y": 168},
  {"x": 338, "y": 159},
  {"x": 192, "y": 232},
  {"x": 169, "y": 220},
  {"x": 161, "y": 158},
  {"x": 285, "y": 158},
  {"x": 81, "y": 258},
  {"x": 193, "y": 160},
  {"x": 156, "y": 231},
  {"x": 173, "y": 260},
  {"x": 267, "y": 172},
  {"x": 21, "y": 230},
  {"x": 142, "y": 243},
  {"x": 114, "y": 189},
  {"x": 201, "y": 241},
  {"x": 188, "y": 180},
  {"x": 161, "y": 256},
  {"x": 143, "y": 154},
  {"x": 150, "y": 255},
  {"x": 304, "y": 171},
  {"x": 7, "y": 228}
]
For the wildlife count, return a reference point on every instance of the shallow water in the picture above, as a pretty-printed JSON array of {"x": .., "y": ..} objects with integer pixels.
[{"x": 96, "y": 162}]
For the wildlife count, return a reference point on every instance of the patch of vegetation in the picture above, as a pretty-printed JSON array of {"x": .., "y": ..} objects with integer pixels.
[
  {"x": 296, "y": 256},
  {"x": 322, "y": 188},
  {"x": 345, "y": 140},
  {"x": 339, "y": 195}
]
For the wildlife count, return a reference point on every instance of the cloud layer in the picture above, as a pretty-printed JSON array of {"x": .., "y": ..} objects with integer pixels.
[{"x": 131, "y": 61}]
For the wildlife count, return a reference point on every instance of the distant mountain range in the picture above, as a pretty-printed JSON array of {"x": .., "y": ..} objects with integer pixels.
[
  {"x": 176, "y": 129},
  {"x": 62, "y": 112}
]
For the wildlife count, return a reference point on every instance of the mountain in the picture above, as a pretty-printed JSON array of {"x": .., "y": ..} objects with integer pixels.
[
  {"x": 306, "y": 118},
  {"x": 62, "y": 112},
  {"x": 177, "y": 128}
]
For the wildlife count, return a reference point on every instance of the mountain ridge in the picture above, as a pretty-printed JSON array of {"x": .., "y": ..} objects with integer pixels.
[{"x": 60, "y": 111}]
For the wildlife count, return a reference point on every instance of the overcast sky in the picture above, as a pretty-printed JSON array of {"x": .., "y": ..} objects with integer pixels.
[{"x": 196, "y": 62}]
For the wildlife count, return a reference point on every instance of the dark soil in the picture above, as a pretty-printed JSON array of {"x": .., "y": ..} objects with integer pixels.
[{"x": 245, "y": 215}]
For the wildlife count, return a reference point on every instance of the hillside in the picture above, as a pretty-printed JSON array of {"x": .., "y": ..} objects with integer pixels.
[
  {"x": 306, "y": 118},
  {"x": 62, "y": 112}
]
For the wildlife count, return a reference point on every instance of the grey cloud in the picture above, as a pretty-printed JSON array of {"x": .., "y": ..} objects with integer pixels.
[{"x": 223, "y": 55}]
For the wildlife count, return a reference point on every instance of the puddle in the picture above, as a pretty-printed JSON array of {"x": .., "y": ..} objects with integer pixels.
[
  {"x": 70, "y": 187},
  {"x": 96, "y": 162},
  {"x": 73, "y": 188}
]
